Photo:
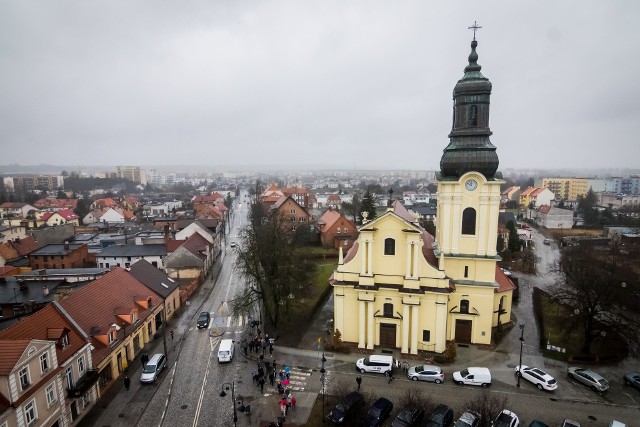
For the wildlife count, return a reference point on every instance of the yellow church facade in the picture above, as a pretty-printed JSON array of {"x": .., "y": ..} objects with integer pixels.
[{"x": 399, "y": 287}]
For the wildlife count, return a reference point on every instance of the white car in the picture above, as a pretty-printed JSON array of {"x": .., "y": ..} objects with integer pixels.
[
  {"x": 540, "y": 378},
  {"x": 232, "y": 244}
]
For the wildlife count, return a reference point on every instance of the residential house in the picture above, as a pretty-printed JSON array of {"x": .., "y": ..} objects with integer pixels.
[
  {"x": 336, "y": 231},
  {"x": 162, "y": 208},
  {"x": 565, "y": 188},
  {"x": 271, "y": 195},
  {"x": 425, "y": 212},
  {"x": 59, "y": 217},
  {"x": 334, "y": 201},
  {"x": 125, "y": 255},
  {"x": 53, "y": 204},
  {"x": 19, "y": 296},
  {"x": 550, "y": 217},
  {"x": 16, "y": 210},
  {"x": 130, "y": 203},
  {"x": 511, "y": 193},
  {"x": 31, "y": 384},
  {"x": 299, "y": 194},
  {"x": 160, "y": 283},
  {"x": 12, "y": 233},
  {"x": 104, "y": 204},
  {"x": 16, "y": 253},
  {"x": 535, "y": 196},
  {"x": 67, "y": 255},
  {"x": 120, "y": 315},
  {"x": 619, "y": 201},
  {"x": 292, "y": 211},
  {"x": 70, "y": 351},
  {"x": 208, "y": 199},
  {"x": 115, "y": 215}
]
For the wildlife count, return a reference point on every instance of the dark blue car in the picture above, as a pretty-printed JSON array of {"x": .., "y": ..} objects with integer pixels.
[
  {"x": 377, "y": 413},
  {"x": 346, "y": 405}
]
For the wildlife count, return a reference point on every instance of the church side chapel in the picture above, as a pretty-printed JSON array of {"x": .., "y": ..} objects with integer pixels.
[{"x": 398, "y": 287}]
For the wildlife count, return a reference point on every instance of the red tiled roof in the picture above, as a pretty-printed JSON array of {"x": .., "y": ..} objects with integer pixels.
[
  {"x": 9, "y": 271},
  {"x": 93, "y": 305},
  {"x": 527, "y": 191},
  {"x": 67, "y": 214},
  {"x": 352, "y": 252},
  {"x": 544, "y": 209},
  {"x": 107, "y": 202},
  {"x": 56, "y": 203},
  {"x": 402, "y": 212},
  {"x": 172, "y": 245},
  {"x": 329, "y": 218},
  {"x": 427, "y": 249},
  {"x": 10, "y": 352},
  {"x": 197, "y": 244},
  {"x": 504, "y": 283},
  {"x": 537, "y": 191},
  {"x": 334, "y": 198},
  {"x": 7, "y": 251},
  {"x": 47, "y": 324}
]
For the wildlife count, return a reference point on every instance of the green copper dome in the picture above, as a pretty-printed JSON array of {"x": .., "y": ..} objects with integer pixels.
[{"x": 469, "y": 146}]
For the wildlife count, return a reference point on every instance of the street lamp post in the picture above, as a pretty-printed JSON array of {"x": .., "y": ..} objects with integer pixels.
[
  {"x": 226, "y": 386},
  {"x": 521, "y": 325}
]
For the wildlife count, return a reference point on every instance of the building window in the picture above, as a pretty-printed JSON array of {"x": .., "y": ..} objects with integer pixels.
[
  {"x": 473, "y": 115},
  {"x": 112, "y": 336},
  {"x": 426, "y": 335},
  {"x": 81, "y": 365},
  {"x": 464, "y": 306},
  {"x": 338, "y": 230},
  {"x": 388, "y": 310},
  {"x": 293, "y": 211},
  {"x": 51, "y": 394},
  {"x": 68, "y": 376},
  {"x": 469, "y": 221},
  {"x": 44, "y": 362},
  {"x": 64, "y": 341},
  {"x": 389, "y": 246},
  {"x": 24, "y": 377},
  {"x": 30, "y": 412},
  {"x": 86, "y": 400},
  {"x": 466, "y": 271}
]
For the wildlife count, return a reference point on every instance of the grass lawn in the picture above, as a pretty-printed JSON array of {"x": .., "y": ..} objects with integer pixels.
[
  {"x": 556, "y": 329},
  {"x": 294, "y": 323},
  {"x": 316, "y": 416}
]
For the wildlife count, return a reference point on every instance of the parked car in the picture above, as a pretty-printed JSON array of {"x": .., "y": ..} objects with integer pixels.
[
  {"x": 468, "y": 419},
  {"x": 473, "y": 376},
  {"x": 380, "y": 410},
  {"x": 506, "y": 418},
  {"x": 345, "y": 406},
  {"x": 442, "y": 416},
  {"x": 203, "y": 320},
  {"x": 570, "y": 423},
  {"x": 233, "y": 244},
  {"x": 540, "y": 378},
  {"x": 547, "y": 241},
  {"x": 409, "y": 416},
  {"x": 153, "y": 367},
  {"x": 632, "y": 379},
  {"x": 377, "y": 363},
  {"x": 426, "y": 373},
  {"x": 589, "y": 378},
  {"x": 536, "y": 423},
  {"x": 506, "y": 271}
]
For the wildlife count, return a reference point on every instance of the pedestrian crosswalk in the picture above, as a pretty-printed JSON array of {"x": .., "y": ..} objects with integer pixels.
[
  {"x": 299, "y": 378},
  {"x": 228, "y": 324}
]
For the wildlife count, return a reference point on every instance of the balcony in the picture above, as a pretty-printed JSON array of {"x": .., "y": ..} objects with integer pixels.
[{"x": 83, "y": 384}]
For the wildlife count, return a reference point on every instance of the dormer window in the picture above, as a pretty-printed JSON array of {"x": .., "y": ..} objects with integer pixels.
[
  {"x": 112, "y": 336},
  {"x": 134, "y": 316},
  {"x": 24, "y": 377},
  {"x": 44, "y": 362},
  {"x": 64, "y": 341}
]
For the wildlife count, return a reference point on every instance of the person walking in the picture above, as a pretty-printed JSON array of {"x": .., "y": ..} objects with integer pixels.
[
  {"x": 127, "y": 382},
  {"x": 172, "y": 335},
  {"x": 261, "y": 384},
  {"x": 144, "y": 359},
  {"x": 390, "y": 374},
  {"x": 359, "y": 381},
  {"x": 271, "y": 349},
  {"x": 405, "y": 367},
  {"x": 272, "y": 377},
  {"x": 293, "y": 402}
]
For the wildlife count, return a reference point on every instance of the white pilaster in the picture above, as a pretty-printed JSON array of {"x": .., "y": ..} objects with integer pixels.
[
  {"x": 363, "y": 257},
  {"x": 482, "y": 226},
  {"x": 370, "y": 258},
  {"x": 405, "y": 329},
  {"x": 362, "y": 324},
  {"x": 441, "y": 327},
  {"x": 370, "y": 338},
  {"x": 456, "y": 223},
  {"x": 415, "y": 310}
]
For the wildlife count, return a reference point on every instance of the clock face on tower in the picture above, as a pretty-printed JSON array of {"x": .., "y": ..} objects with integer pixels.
[{"x": 471, "y": 184}]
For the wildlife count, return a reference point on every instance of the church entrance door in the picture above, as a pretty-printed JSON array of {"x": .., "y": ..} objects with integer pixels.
[
  {"x": 387, "y": 335},
  {"x": 463, "y": 331}
]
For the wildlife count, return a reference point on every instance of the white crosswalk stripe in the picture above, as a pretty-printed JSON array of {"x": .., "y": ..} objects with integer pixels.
[{"x": 299, "y": 378}]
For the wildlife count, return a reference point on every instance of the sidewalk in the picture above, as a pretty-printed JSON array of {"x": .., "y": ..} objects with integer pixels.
[{"x": 117, "y": 407}]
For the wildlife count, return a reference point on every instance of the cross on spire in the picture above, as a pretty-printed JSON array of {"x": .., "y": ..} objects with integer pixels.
[{"x": 474, "y": 27}]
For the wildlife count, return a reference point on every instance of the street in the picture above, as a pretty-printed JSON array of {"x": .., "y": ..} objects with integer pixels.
[{"x": 188, "y": 393}]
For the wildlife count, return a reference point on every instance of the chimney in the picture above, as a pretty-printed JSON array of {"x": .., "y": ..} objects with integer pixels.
[
  {"x": 390, "y": 203},
  {"x": 45, "y": 290},
  {"x": 166, "y": 234}
]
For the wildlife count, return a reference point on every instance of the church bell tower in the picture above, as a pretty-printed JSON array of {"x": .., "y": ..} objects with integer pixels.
[{"x": 469, "y": 184}]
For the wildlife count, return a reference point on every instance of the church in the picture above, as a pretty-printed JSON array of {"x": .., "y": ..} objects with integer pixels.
[{"x": 398, "y": 287}]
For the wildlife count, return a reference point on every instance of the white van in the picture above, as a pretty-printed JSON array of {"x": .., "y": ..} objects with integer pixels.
[
  {"x": 376, "y": 363},
  {"x": 473, "y": 376},
  {"x": 225, "y": 351}
]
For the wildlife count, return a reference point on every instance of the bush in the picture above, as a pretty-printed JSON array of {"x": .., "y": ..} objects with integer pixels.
[{"x": 449, "y": 355}]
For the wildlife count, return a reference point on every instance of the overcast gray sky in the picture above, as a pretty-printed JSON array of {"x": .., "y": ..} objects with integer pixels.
[{"x": 364, "y": 84}]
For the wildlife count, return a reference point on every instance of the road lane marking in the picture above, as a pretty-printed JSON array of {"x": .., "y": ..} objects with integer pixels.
[{"x": 204, "y": 383}]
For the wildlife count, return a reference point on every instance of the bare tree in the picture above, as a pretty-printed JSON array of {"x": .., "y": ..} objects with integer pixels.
[
  {"x": 416, "y": 398},
  {"x": 596, "y": 288},
  {"x": 270, "y": 262},
  {"x": 488, "y": 405}
]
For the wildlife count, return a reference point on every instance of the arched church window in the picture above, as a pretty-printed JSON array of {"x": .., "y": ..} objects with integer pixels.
[
  {"x": 469, "y": 221},
  {"x": 464, "y": 306},
  {"x": 473, "y": 115},
  {"x": 389, "y": 246},
  {"x": 387, "y": 310}
]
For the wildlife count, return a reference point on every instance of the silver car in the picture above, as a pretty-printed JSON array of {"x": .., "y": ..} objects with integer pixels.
[
  {"x": 426, "y": 373},
  {"x": 589, "y": 378}
]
